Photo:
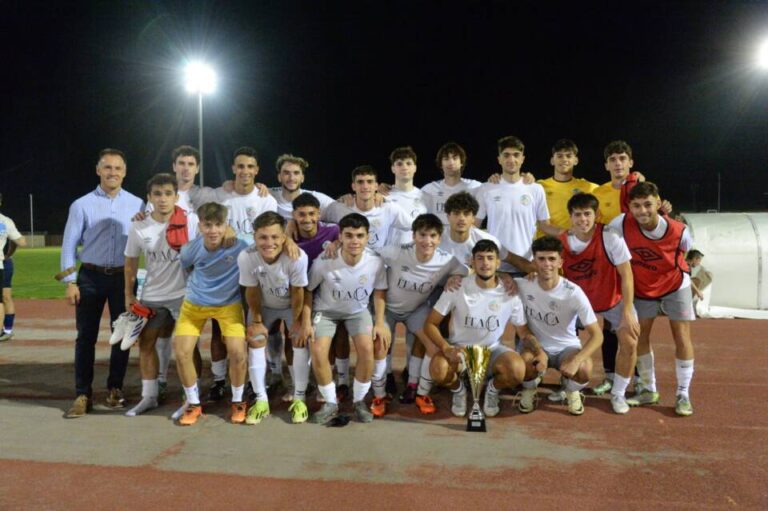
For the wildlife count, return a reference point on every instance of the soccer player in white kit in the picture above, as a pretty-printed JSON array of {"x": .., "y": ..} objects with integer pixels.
[
  {"x": 415, "y": 273},
  {"x": 513, "y": 208},
  {"x": 343, "y": 289},
  {"x": 552, "y": 305},
  {"x": 451, "y": 159},
  {"x": 274, "y": 289},
  {"x": 480, "y": 310},
  {"x": 165, "y": 284}
]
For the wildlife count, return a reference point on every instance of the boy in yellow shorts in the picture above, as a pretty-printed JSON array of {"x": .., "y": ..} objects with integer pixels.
[{"x": 213, "y": 292}]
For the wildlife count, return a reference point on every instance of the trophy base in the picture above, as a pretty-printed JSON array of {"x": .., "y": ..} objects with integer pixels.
[{"x": 476, "y": 424}]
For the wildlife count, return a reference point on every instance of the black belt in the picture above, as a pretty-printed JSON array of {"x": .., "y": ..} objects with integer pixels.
[{"x": 102, "y": 269}]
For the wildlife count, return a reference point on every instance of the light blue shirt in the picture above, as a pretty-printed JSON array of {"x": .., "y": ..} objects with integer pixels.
[
  {"x": 215, "y": 277},
  {"x": 100, "y": 224}
]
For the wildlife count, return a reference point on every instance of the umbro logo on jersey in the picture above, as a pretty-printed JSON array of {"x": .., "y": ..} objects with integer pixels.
[
  {"x": 440, "y": 194},
  {"x": 582, "y": 266},
  {"x": 404, "y": 268},
  {"x": 497, "y": 198},
  {"x": 336, "y": 279},
  {"x": 646, "y": 254},
  {"x": 229, "y": 259},
  {"x": 529, "y": 298},
  {"x": 147, "y": 239}
]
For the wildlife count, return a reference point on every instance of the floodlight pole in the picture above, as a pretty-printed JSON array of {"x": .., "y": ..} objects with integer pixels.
[
  {"x": 200, "y": 132},
  {"x": 31, "y": 222}
]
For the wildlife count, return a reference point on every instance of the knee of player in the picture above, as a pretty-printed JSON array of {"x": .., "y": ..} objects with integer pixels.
[
  {"x": 260, "y": 343},
  {"x": 147, "y": 342},
  {"x": 182, "y": 348},
  {"x": 627, "y": 340},
  {"x": 440, "y": 370},
  {"x": 585, "y": 370}
]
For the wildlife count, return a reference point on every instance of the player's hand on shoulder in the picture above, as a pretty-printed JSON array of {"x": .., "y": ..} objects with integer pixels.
[
  {"x": 332, "y": 250},
  {"x": 453, "y": 283},
  {"x": 384, "y": 189},
  {"x": 666, "y": 207},
  {"x": 263, "y": 189},
  {"x": 494, "y": 178},
  {"x": 528, "y": 178},
  {"x": 230, "y": 237},
  {"x": 292, "y": 230},
  {"x": 292, "y": 249},
  {"x": 510, "y": 286},
  {"x": 228, "y": 186},
  {"x": 138, "y": 217},
  {"x": 347, "y": 199}
]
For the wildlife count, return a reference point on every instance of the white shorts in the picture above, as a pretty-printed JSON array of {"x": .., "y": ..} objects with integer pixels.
[
  {"x": 613, "y": 315},
  {"x": 270, "y": 316},
  {"x": 356, "y": 324},
  {"x": 678, "y": 306},
  {"x": 413, "y": 321}
]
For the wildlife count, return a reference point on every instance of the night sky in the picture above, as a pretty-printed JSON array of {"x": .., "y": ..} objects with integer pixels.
[{"x": 342, "y": 84}]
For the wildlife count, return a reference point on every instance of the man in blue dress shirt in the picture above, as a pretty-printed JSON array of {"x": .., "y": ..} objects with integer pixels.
[{"x": 98, "y": 221}]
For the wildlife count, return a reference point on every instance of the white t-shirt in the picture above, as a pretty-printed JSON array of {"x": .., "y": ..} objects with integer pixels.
[
  {"x": 285, "y": 207},
  {"x": 463, "y": 251},
  {"x": 686, "y": 242},
  {"x": 381, "y": 220},
  {"x": 183, "y": 203},
  {"x": 513, "y": 210},
  {"x": 276, "y": 279},
  {"x": 437, "y": 192},
  {"x": 344, "y": 289},
  {"x": 166, "y": 279},
  {"x": 615, "y": 247},
  {"x": 479, "y": 316},
  {"x": 8, "y": 231},
  {"x": 243, "y": 209},
  {"x": 410, "y": 281},
  {"x": 552, "y": 314},
  {"x": 413, "y": 204}
]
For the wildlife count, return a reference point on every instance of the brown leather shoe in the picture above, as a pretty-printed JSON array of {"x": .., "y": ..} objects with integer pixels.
[
  {"x": 115, "y": 399},
  {"x": 79, "y": 408}
]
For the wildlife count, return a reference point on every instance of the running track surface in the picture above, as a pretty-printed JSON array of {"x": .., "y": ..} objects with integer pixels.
[{"x": 649, "y": 459}]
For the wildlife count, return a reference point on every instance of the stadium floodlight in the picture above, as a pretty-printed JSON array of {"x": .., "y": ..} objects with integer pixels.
[
  {"x": 200, "y": 79},
  {"x": 762, "y": 55}
]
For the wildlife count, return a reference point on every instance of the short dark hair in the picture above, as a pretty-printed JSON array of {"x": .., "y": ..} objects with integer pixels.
[
  {"x": 161, "y": 180},
  {"x": 305, "y": 199},
  {"x": 510, "y": 142},
  {"x": 428, "y": 222},
  {"x": 485, "y": 246},
  {"x": 354, "y": 221},
  {"x": 268, "y": 218},
  {"x": 449, "y": 149},
  {"x": 547, "y": 244},
  {"x": 246, "y": 151},
  {"x": 617, "y": 147},
  {"x": 185, "y": 150},
  {"x": 402, "y": 153},
  {"x": 212, "y": 212},
  {"x": 289, "y": 158},
  {"x": 112, "y": 152},
  {"x": 364, "y": 170},
  {"x": 565, "y": 144},
  {"x": 644, "y": 189},
  {"x": 693, "y": 253},
  {"x": 462, "y": 201},
  {"x": 583, "y": 201}
]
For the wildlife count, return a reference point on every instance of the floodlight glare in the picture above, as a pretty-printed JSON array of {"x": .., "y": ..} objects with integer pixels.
[
  {"x": 762, "y": 55},
  {"x": 200, "y": 78}
]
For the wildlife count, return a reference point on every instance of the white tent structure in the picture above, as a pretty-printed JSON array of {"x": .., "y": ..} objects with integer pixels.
[{"x": 735, "y": 247}]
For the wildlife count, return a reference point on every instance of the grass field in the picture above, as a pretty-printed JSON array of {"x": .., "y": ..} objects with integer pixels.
[{"x": 33, "y": 273}]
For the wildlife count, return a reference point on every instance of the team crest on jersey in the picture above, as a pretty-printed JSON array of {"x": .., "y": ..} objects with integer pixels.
[
  {"x": 363, "y": 279},
  {"x": 375, "y": 222},
  {"x": 575, "y": 191},
  {"x": 526, "y": 199},
  {"x": 552, "y": 305},
  {"x": 229, "y": 259},
  {"x": 250, "y": 211},
  {"x": 494, "y": 306}
]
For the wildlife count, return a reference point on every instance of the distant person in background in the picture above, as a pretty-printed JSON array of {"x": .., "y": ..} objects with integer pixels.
[
  {"x": 701, "y": 279},
  {"x": 10, "y": 238},
  {"x": 98, "y": 221}
]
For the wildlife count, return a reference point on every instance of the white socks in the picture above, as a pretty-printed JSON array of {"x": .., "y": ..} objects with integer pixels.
[
  {"x": 257, "y": 370},
  {"x": 360, "y": 389},
  {"x": 573, "y": 385},
  {"x": 193, "y": 394},
  {"x": 378, "y": 378},
  {"x": 684, "y": 373},
  {"x": 425, "y": 378},
  {"x": 342, "y": 371},
  {"x": 328, "y": 392},
  {"x": 300, "y": 373},
  {"x": 219, "y": 369},
  {"x": 414, "y": 369},
  {"x": 491, "y": 389},
  {"x": 620, "y": 385},
  {"x": 149, "y": 392},
  {"x": 237, "y": 393},
  {"x": 647, "y": 372},
  {"x": 164, "y": 349}
]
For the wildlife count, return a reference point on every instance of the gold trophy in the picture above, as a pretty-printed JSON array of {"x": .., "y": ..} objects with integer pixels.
[{"x": 476, "y": 359}]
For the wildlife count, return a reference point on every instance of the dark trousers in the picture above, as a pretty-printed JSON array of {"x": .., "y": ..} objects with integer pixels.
[{"x": 96, "y": 289}]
